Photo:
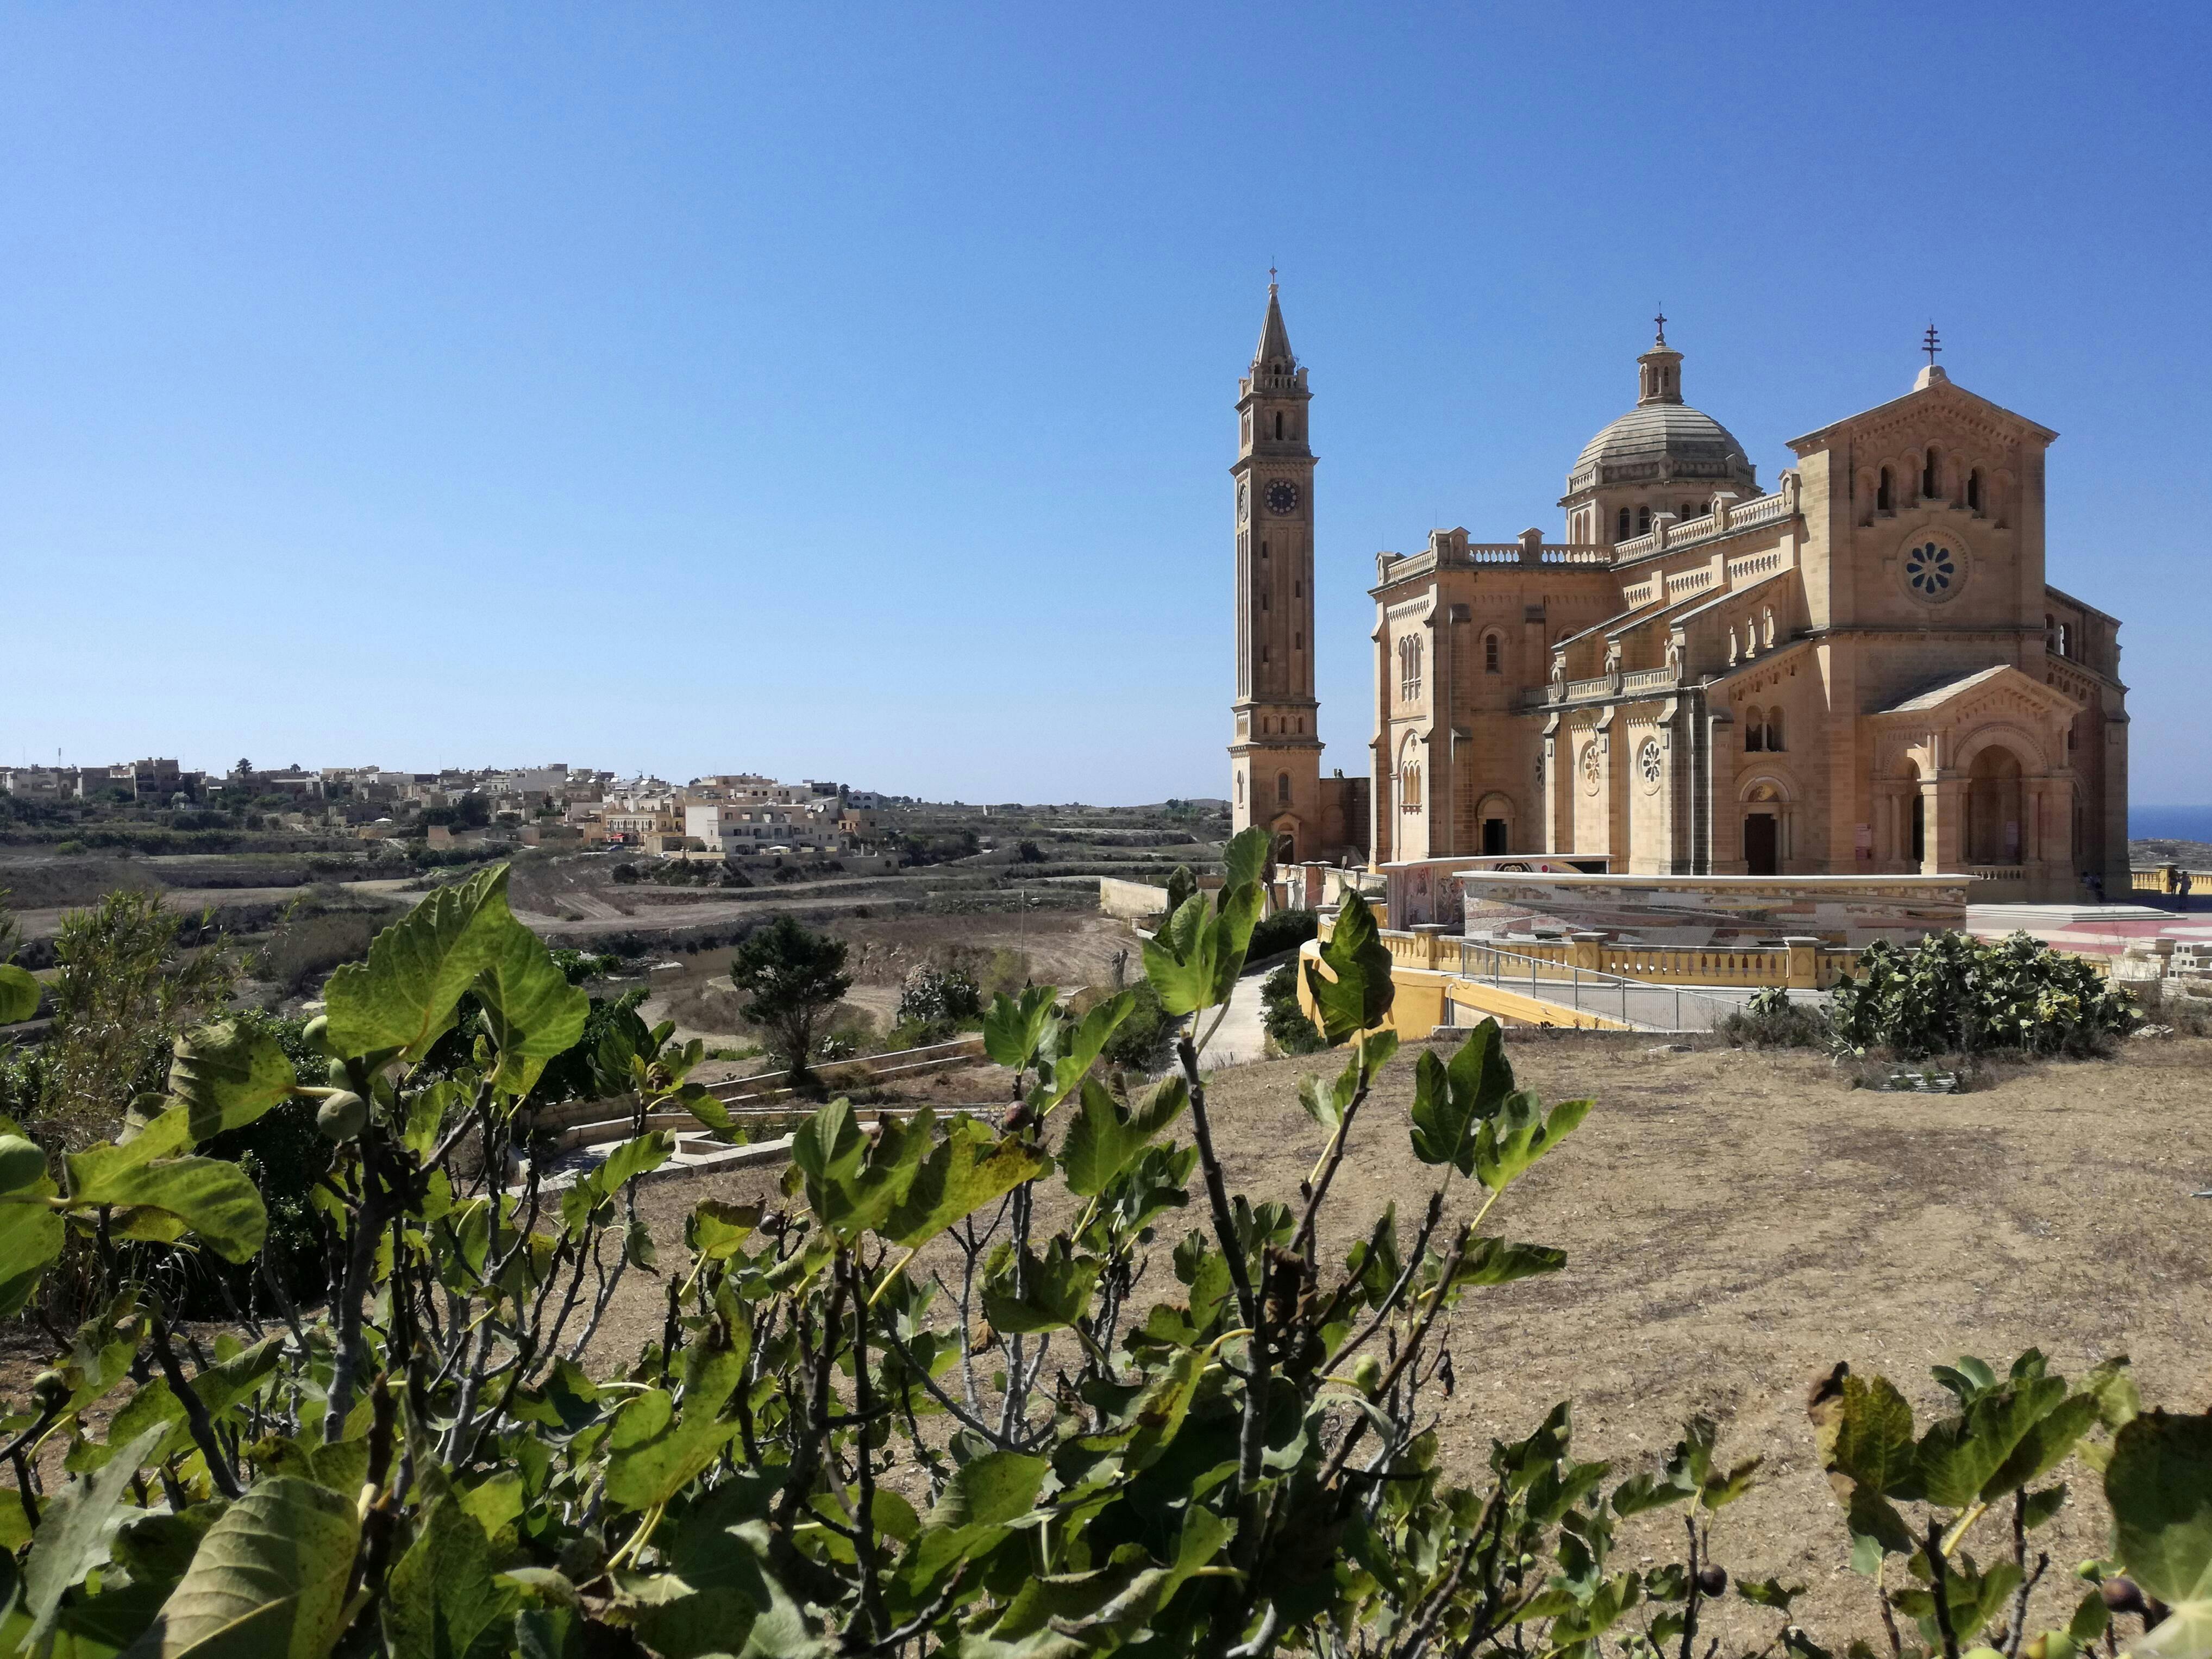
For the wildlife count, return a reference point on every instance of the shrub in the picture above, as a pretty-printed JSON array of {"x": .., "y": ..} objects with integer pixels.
[
  {"x": 306, "y": 946},
  {"x": 935, "y": 1002},
  {"x": 2169, "y": 1003},
  {"x": 1286, "y": 930},
  {"x": 1288, "y": 1028},
  {"x": 1956, "y": 994},
  {"x": 127, "y": 986},
  {"x": 1769, "y": 1020},
  {"x": 1141, "y": 1041}
]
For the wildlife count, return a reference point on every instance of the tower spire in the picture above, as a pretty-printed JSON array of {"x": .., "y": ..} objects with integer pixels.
[{"x": 1274, "y": 356}]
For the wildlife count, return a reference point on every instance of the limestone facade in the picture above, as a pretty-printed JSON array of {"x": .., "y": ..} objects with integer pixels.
[{"x": 1860, "y": 671}]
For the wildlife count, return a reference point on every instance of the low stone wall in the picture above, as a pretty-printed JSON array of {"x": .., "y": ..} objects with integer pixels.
[
  {"x": 1130, "y": 901},
  {"x": 1715, "y": 911},
  {"x": 1134, "y": 901}
]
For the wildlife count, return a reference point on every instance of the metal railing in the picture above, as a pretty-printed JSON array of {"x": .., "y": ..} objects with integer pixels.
[{"x": 1587, "y": 990}]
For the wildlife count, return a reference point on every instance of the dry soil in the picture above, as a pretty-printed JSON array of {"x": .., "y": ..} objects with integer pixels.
[{"x": 1735, "y": 1224}]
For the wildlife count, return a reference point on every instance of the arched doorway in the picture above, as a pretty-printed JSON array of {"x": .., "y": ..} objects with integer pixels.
[
  {"x": 1994, "y": 807},
  {"x": 1495, "y": 817},
  {"x": 1762, "y": 830}
]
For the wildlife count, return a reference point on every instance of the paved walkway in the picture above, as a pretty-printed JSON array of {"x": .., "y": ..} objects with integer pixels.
[{"x": 1243, "y": 1037}]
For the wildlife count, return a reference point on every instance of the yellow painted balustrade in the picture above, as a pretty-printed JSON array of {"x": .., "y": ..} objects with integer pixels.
[{"x": 1801, "y": 965}]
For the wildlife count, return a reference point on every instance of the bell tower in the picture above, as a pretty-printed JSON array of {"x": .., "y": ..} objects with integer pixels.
[{"x": 1275, "y": 753}]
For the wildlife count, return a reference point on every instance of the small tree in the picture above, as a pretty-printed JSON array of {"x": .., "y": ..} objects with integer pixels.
[
  {"x": 127, "y": 986},
  {"x": 794, "y": 976}
]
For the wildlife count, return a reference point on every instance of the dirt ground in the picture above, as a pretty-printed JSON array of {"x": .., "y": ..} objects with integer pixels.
[
  {"x": 1069, "y": 951},
  {"x": 1735, "y": 1224}
]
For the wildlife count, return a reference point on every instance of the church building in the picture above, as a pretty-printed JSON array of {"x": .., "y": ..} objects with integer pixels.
[{"x": 1861, "y": 672}]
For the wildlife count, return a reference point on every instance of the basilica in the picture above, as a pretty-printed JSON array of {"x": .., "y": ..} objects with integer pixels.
[{"x": 1859, "y": 672}]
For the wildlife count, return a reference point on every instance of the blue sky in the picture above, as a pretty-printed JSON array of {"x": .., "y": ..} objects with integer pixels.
[{"x": 847, "y": 391}]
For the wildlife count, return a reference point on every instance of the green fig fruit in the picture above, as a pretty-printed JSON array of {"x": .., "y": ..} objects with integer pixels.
[
  {"x": 342, "y": 1117},
  {"x": 316, "y": 1033},
  {"x": 21, "y": 1162}
]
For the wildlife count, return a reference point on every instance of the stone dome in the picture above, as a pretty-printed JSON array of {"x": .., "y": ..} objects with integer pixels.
[{"x": 1662, "y": 439}]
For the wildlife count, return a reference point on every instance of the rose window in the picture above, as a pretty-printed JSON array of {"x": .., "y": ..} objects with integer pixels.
[
  {"x": 1931, "y": 571},
  {"x": 1646, "y": 762}
]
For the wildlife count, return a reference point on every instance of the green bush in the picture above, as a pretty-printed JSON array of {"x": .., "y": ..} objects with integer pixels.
[
  {"x": 1284, "y": 930},
  {"x": 1288, "y": 1028},
  {"x": 933, "y": 1003},
  {"x": 1141, "y": 1041},
  {"x": 1956, "y": 994},
  {"x": 1769, "y": 1020}
]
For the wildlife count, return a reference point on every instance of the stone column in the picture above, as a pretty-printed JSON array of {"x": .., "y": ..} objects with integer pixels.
[{"x": 1947, "y": 824}]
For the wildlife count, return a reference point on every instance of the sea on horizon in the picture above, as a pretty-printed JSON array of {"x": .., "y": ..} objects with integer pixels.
[{"x": 2169, "y": 823}]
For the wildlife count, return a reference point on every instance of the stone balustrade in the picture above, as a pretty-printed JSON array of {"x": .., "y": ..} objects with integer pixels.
[{"x": 1798, "y": 964}]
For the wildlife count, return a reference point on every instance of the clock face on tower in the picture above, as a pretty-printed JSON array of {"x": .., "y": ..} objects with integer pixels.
[{"x": 1282, "y": 498}]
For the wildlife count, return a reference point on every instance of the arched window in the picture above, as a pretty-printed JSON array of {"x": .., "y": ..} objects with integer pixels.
[
  {"x": 1263, "y": 549},
  {"x": 1885, "y": 494},
  {"x": 1688, "y": 513},
  {"x": 1490, "y": 663},
  {"x": 1754, "y": 731},
  {"x": 2050, "y": 632},
  {"x": 1298, "y": 640},
  {"x": 1282, "y": 788},
  {"x": 1279, "y": 425},
  {"x": 1774, "y": 730},
  {"x": 2065, "y": 640},
  {"x": 1263, "y": 599},
  {"x": 1974, "y": 490},
  {"x": 1620, "y": 533},
  {"x": 1240, "y": 788},
  {"x": 1931, "y": 476},
  {"x": 1297, "y": 588},
  {"x": 1409, "y": 668},
  {"x": 1643, "y": 521}
]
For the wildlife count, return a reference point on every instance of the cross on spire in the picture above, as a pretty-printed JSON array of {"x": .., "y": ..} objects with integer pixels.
[
  {"x": 1271, "y": 276},
  {"x": 1662, "y": 320},
  {"x": 1931, "y": 346}
]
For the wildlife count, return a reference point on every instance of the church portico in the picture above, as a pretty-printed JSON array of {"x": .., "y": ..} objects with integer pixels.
[{"x": 1973, "y": 774}]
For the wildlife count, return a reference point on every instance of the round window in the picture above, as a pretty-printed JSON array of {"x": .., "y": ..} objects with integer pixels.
[
  {"x": 1934, "y": 571},
  {"x": 1649, "y": 763},
  {"x": 1590, "y": 769}
]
